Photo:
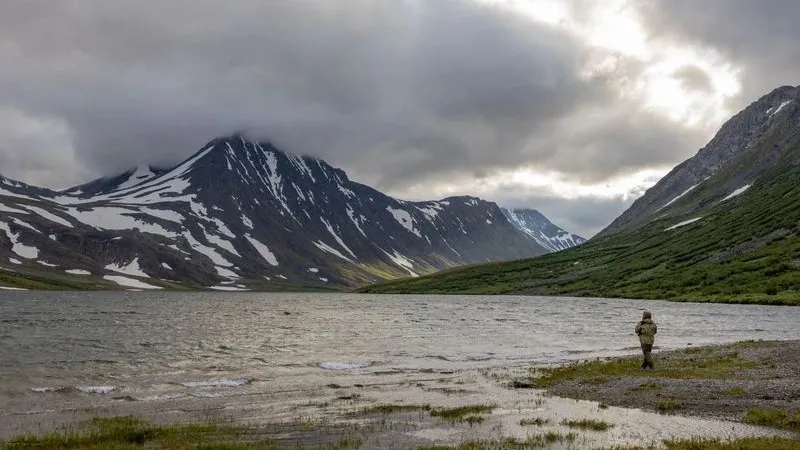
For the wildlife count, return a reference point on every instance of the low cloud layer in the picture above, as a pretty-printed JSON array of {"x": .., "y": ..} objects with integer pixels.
[{"x": 400, "y": 93}]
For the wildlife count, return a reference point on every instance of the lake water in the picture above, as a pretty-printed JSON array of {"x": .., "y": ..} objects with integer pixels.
[{"x": 65, "y": 352}]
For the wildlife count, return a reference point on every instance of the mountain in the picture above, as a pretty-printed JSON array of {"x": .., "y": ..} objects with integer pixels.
[
  {"x": 722, "y": 226},
  {"x": 240, "y": 214},
  {"x": 746, "y": 147},
  {"x": 545, "y": 233}
]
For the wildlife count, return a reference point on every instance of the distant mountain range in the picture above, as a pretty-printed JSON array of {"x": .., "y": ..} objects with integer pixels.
[
  {"x": 723, "y": 225},
  {"x": 537, "y": 226},
  {"x": 241, "y": 214}
]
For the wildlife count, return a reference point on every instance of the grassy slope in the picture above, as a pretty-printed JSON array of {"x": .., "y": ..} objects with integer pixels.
[{"x": 745, "y": 250}]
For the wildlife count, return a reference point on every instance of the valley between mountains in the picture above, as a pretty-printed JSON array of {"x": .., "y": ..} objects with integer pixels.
[
  {"x": 241, "y": 215},
  {"x": 723, "y": 226}
]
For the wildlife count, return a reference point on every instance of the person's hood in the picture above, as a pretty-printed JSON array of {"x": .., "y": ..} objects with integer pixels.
[{"x": 647, "y": 320}]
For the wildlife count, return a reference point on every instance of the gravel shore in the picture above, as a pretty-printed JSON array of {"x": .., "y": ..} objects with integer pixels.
[{"x": 771, "y": 380}]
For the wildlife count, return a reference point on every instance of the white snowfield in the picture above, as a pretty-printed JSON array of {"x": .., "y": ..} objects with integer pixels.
[
  {"x": 404, "y": 218},
  {"x": 683, "y": 224},
  {"x": 130, "y": 282},
  {"x": 132, "y": 268},
  {"x": 78, "y": 272},
  {"x": 22, "y": 250},
  {"x": 263, "y": 250},
  {"x": 678, "y": 197},
  {"x": 227, "y": 288},
  {"x": 775, "y": 110},
  {"x": 736, "y": 192}
]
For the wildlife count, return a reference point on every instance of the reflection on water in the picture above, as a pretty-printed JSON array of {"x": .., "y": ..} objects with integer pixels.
[{"x": 64, "y": 351}]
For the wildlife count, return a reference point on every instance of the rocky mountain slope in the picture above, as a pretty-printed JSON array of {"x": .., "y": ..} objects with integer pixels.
[
  {"x": 537, "y": 226},
  {"x": 240, "y": 214},
  {"x": 745, "y": 148},
  {"x": 722, "y": 226}
]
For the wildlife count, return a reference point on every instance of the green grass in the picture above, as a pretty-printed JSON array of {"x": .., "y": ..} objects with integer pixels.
[
  {"x": 459, "y": 413},
  {"x": 762, "y": 443},
  {"x": 587, "y": 424},
  {"x": 647, "y": 387},
  {"x": 538, "y": 421},
  {"x": 669, "y": 405},
  {"x": 742, "y": 251},
  {"x": 716, "y": 367},
  {"x": 393, "y": 408},
  {"x": 473, "y": 420},
  {"x": 733, "y": 392},
  {"x": 755, "y": 443},
  {"x": 777, "y": 418},
  {"x": 468, "y": 414},
  {"x": 510, "y": 443},
  {"x": 124, "y": 433}
]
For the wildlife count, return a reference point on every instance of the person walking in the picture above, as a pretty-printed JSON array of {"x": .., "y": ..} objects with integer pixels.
[{"x": 646, "y": 330}]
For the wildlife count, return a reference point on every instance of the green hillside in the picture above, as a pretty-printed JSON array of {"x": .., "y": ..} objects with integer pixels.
[{"x": 743, "y": 250}]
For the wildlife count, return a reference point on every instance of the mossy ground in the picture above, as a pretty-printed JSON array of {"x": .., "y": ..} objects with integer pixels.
[
  {"x": 754, "y": 382},
  {"x": 597, "y": 372}
]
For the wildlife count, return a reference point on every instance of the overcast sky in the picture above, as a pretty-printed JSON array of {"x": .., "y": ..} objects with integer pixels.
[{"x": 568, "y": 106}]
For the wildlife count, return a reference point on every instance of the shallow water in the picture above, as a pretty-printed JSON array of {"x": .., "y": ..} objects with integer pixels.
[{"x": 65, "y": 352}]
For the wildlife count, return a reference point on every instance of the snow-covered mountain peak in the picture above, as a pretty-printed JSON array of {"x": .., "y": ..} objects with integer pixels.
[
  {"x": 537, "y": 226},
  {"x": 241, "y": 210}
]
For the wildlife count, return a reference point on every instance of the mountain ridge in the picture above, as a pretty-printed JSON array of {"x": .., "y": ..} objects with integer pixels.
[
  {"x": 736, "y": 139},
  {"x": 241, "y": 214}
]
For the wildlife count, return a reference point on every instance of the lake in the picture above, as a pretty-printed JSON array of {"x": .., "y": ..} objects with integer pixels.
[{"x": 116, "y": 352}]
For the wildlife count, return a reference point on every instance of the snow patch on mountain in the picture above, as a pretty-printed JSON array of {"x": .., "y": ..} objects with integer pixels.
[
  {"x": 24, "y": 251},
  {"x": 404, "y": 218},
  {"x": 736, "y": 192},
  {"x": 263, "y": 250},
  {"x": 132, "y": 268},
  {"x": 683, "y": 224},
  {"x": 4, "y": 208},
  {"x": 777, "y": 109},
  {"x": 142, "y": 174},
  {"x": 401, "y": 261},
  {"x": 49, "y": 216},
  {"x": 327, "y": 248},
  {"x": 22, "y": 223},
  {"x": 678, "y": 197},
  {"x": 130, "y": 282},
  {"x": 78, "y": 272},
  {"x": 336, "y": 237}
]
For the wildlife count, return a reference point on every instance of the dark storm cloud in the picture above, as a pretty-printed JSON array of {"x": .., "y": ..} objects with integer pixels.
[
  {"x": 430, "y": 86},
  {"x": 694, "y": 78},
  {"x": 758, "y": 36},
  {"x": 394, "y": 91}
]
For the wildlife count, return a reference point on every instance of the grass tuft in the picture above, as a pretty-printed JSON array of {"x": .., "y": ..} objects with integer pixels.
[
  {"x": 778, "y": 418},
  {"x": 538, "y": 421},
  {"x": 587, "y": 424},
  {"x": 458, "y": 413},
  {"x": 669, "y": 405}
]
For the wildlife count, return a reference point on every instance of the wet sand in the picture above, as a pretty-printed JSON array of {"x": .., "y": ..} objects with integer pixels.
[{"x": 311, "y": 416}]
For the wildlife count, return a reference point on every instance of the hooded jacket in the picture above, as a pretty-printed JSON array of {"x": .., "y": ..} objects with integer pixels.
[{"x": 647, "y": 329}]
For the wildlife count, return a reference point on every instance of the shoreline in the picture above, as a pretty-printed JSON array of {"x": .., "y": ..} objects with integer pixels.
[
  {"x": 719, "y": 381},
  {"x": 487, "y": 407}
]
